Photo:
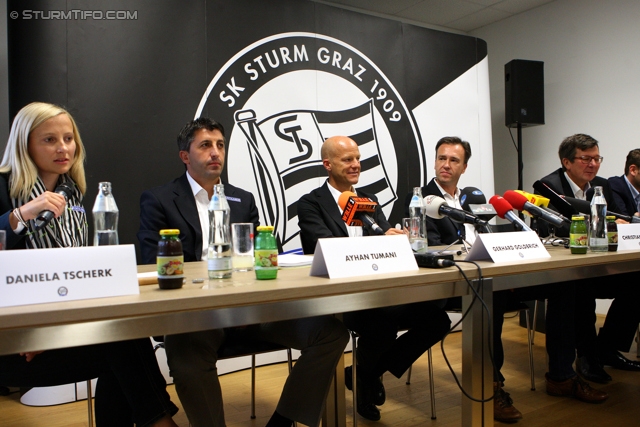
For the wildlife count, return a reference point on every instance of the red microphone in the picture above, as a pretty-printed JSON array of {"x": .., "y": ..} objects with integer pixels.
[
  {"x": 356, "y": 210},
  {"x": 505, "y": 211},
  {"x": 521, "y": 203}
]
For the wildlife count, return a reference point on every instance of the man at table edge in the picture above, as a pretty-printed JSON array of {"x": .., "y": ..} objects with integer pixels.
[
  {"x": 183, "y": 204},
  {"x": 379, "y": 349}
]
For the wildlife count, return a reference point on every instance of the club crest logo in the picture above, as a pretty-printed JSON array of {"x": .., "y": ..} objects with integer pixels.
[{"x": 282, "y": 96}]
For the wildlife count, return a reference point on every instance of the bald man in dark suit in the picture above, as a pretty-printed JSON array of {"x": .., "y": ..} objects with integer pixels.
[{"x": 379, "y": 348}]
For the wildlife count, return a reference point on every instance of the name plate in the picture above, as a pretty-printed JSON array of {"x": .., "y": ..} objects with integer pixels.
[
  {"x": 628, "y": 237},
  {"x": 35, "y": 276},
  {"x": 503, "y": 247},
  {"x": 356, "y": 256}
]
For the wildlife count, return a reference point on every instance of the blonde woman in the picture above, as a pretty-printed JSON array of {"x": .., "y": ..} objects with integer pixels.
[{"x": 45, "y": 151}]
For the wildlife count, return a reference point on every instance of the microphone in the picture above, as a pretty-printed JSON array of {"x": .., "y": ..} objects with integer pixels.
[
  {"x": 437, "y": 208},
  {"x": 46, "y": 216},
  {"x": 521, "y": 203},
  {"x": 539, "y": 201},
  {"x": 355, "y": 211},
  {"x": 542, "y": 203},
  {"x": 558, "y": 202},
  {"x": 473, "y": 200},
  {"x": 589, "y": 194},
  {"x": 505, "y": 211},
  {"x": 584, "y": 207},
  {"x": 630, "y": 219}
]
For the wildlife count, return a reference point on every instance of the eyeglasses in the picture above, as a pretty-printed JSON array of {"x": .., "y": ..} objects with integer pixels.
[{"x": 587, "y": 159}]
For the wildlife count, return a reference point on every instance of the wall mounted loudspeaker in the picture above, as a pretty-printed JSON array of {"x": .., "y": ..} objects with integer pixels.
[{"x": 524, "y": 93}]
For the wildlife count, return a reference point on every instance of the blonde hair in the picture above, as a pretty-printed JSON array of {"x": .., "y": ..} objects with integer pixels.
[{"x": 18, "y": 162}]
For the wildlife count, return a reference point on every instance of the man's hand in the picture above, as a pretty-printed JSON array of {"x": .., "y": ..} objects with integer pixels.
[
  {"x": 29, "y": 355},
  {"x": 393, "y": 231}
]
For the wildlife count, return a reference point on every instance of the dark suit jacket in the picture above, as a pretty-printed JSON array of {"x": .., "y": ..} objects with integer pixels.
[
  {"x": 173, "y": 206},
  {"x": 319, "y": 216},
  {"x": 558, "y": 183},
  {"x": 14, "y": 241},
  {"x": 442, "y": 231},
  {"x": 622, "y": 196}
]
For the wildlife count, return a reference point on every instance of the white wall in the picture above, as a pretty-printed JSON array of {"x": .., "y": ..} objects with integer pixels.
[
  {"x": 591, "y": 55},
  {"x": 591, "y": 60}
]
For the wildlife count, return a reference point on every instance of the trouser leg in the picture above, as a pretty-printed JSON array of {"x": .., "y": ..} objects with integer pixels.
[
  {"x": 322, "y": 341},
  {"x": 192, "y": 359},
  {"x": 500, "y": 300},
  {"x": 426, "y": 323},
  {"x": 134, "y": 386},
  {"x": 623, "y": 317},
  {"x": 377, "y": 334},
  {"x": 560, "y": 330},
  {"x": 585, "y": 318}
]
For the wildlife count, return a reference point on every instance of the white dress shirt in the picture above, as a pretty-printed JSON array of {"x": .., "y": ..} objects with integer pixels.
[
  {"x": 454, "y": 202},
  {"x": 202, "y": 203},
  {"x": 354, "y": 231}
]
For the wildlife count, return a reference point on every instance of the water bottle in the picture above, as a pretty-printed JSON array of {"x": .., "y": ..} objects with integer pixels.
[
  {"x": 598, "y": 241},
  {"x": 105, "y": 217},
  {"x": 219, "y": 254},
  {"x": 417, "y": 209}
]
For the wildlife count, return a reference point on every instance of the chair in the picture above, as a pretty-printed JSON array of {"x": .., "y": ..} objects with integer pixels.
[
  {"x": 354, "y": 338},
  {"x": 89, "y": 404},
  {"x": 240, "y": 348}
]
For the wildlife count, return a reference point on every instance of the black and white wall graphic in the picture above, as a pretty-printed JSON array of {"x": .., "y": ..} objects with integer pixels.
[{"x": 280, "y": 75}]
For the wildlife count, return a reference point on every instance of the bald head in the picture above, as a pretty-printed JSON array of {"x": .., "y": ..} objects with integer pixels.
[
  {"x": 335, "y": 144},
  {"x": 341, "y": 159}
]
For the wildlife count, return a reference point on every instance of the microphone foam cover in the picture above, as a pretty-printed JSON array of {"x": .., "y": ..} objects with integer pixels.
[
  {"x": 516, "y": 200},
  {"x": 471, "y": 196},
  {"x": 344, "y": 198},
  {"x": 501, "y": 205},
  {"x": 432, "y": 206}
]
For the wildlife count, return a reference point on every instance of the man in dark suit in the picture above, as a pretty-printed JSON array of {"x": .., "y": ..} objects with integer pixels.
[
  {"x": 580, "y": 158},
  {"x": 379, "y": 348},
  {"x": 452, "y": 155},
  {"x": 626, "y": 188},
  {"x": 192, "y": 357}
]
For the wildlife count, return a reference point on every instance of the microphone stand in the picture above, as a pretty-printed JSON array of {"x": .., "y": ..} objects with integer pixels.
[{"x": 465, "y": 246}]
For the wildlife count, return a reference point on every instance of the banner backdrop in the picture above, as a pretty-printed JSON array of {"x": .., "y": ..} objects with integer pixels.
[{"x": 281, "y": 76}]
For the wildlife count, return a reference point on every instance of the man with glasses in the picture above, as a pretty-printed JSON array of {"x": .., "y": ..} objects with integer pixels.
[
  {"x": 580, "y": 159},
  {"x": 626, "y": 188}
]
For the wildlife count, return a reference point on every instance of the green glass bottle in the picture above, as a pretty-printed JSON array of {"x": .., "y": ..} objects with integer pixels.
[
  {"x": 266, "y": 253},
  {"x": 578, "y": 239}
]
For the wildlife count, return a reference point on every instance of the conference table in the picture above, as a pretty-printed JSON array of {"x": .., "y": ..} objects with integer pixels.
[{"x": 244, "y": 300}]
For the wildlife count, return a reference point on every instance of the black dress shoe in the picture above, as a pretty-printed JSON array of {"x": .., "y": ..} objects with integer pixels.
[
  {"x": 379, "y": 394},
  {"x": 372, "y": 387},
  {"x": 348, "y": 377},
  {"x": 369, "y": 411},
  {"x": 590, "y": 369},
  {"x": 616, "y": 360}
]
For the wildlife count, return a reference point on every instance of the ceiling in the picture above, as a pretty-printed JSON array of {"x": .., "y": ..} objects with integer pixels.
[{"x": 457, "y": 15}]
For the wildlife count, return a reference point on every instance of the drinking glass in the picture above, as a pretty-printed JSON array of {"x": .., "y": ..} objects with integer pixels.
[
  {"x": 415, "y": 229},
  {"x": 242, "y": 244}
]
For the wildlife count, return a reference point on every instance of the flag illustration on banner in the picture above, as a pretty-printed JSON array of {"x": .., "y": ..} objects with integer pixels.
[{"x": 296, "y": 136}]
